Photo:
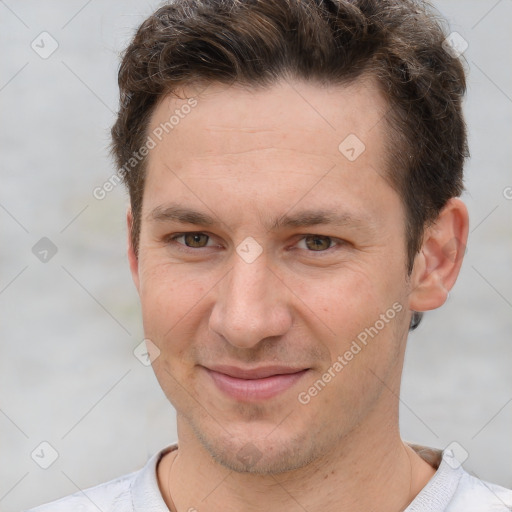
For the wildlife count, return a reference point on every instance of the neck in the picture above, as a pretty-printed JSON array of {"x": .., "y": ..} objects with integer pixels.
[{"x": 370, "y": 466}]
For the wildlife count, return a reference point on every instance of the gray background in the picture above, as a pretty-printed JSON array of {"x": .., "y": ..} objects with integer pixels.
[{"x": 69, "y": 326}]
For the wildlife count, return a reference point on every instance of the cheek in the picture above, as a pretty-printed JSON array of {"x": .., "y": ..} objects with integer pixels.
[
  {"x": 356, "y": 306},
  {"x": 363, "y": 342},
  {"x": 341, "y": 300},
  {"x": 171, "y": 299}
]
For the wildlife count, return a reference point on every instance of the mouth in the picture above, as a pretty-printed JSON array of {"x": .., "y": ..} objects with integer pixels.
[{"x": 254, "y": 384}]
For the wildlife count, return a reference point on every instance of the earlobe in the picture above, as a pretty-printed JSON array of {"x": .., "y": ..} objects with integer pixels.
[
  {"x": 132, "y": 255},
  {"x": 438, "y": 263}
]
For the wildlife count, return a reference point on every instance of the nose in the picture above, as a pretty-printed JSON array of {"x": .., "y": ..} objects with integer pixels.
[{"x": 251, "y": 305}]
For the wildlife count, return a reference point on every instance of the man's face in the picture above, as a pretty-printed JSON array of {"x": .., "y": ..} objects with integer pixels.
[{"x": 295, "y": 255}]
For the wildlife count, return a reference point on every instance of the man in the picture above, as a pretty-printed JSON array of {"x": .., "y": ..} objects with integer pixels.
[{"x": 294, "y": 168}]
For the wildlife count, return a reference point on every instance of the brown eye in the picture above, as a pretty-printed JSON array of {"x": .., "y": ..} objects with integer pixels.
[
  {"x": 317, "y": 242},
  {"x": 196, "y": 239}
]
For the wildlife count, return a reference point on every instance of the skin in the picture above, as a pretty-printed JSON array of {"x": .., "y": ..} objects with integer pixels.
[{"x": 246, "y": 158}]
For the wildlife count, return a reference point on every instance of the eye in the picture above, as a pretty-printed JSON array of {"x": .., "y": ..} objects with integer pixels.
[
  {"x": 199, "y": 240},
  {"x": 317, "y": 243},
  {"x": 193, "y": 239}
]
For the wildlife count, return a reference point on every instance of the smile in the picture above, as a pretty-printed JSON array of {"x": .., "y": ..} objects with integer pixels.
[{"x": 255, "y": 384}]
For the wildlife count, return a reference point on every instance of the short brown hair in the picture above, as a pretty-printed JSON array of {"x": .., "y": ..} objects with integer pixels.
[{"x": 257, "y": 42}]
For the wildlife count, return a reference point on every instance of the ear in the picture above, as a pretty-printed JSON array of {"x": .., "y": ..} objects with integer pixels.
[
  {"x": 132, "y": 255},
  {"x": 438, "y": 262}
]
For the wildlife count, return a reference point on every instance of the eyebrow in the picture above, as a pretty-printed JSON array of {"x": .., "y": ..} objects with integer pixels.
[
  {"x": 305, "y": 218},
  {"x": 181, "y": 214}
]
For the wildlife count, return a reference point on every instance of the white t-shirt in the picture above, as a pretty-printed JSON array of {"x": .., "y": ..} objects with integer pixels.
[{"x": 451, "y": 489}]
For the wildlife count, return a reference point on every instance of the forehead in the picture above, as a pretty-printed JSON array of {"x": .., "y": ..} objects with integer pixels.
[
  {"x": 293, "y": 115},
  {"x": 270, "y": 145}
]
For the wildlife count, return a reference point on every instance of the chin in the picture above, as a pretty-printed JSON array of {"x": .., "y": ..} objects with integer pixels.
[{"x": 262, "y": 451}]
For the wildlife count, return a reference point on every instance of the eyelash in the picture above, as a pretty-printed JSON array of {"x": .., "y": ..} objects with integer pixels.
[{"x": 182, "y": 247}]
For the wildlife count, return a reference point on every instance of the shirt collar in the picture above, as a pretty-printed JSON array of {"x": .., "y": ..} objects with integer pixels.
[
  {"x": 145, "y": 492},
  {"x": 439, "y": 491},
  {"x": 435, "y": 496}
]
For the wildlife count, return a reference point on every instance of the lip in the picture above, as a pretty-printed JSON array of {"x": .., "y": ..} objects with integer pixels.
[{"x": 254, "y": 384}]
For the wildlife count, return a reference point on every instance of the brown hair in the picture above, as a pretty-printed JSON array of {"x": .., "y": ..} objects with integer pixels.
[{"x": 257, "y": 42}]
